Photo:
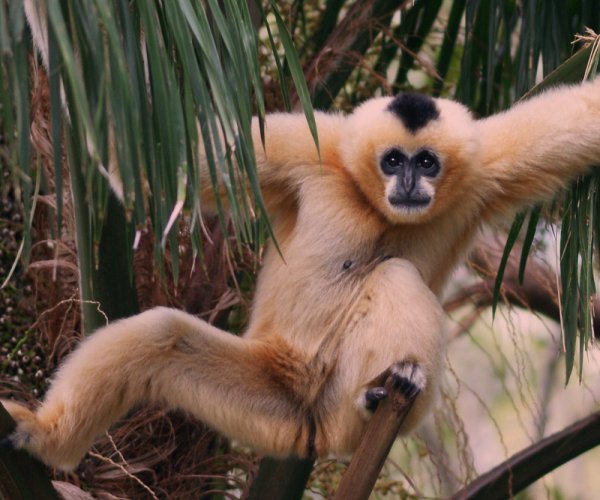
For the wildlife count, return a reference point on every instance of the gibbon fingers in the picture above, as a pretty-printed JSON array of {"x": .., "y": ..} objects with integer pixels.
[{"x": 402, "y": 188}]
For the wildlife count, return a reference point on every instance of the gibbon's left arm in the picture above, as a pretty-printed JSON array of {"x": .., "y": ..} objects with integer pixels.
[
  {"x": 535, "y": 148},
  {"x": 288, "y": 155}
]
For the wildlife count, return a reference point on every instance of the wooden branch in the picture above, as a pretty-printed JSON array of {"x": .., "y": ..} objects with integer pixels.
[
  {"x": 538, "y": 292},
  {"x": 281, "y": 479},
  {"x": 376, "y": 442},
  {"x": 532, "y": 463}
]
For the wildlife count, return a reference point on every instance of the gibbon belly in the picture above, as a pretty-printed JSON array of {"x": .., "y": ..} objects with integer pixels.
[
  {"x": 368, "y": 319},
  {"x": 395, "y": 318}
]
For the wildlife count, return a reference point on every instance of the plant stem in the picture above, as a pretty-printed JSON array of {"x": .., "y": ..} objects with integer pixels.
[
  {"x": 281, "y": 479},
  {"x": 376, "y": 442}
]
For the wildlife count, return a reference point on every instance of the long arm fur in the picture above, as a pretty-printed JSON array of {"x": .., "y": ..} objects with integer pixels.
[{"x": 535, "y": 148}]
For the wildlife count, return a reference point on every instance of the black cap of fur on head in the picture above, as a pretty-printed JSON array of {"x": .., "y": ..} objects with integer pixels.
[{"x": 415, "y": 110}]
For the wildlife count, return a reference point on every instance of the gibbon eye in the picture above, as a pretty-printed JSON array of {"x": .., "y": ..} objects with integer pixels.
[
  {"x": 427, "y": 163},
  {"x": 391, "y": 161}
]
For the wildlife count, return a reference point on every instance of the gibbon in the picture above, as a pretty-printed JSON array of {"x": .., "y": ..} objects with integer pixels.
[{"x": 369, "y": 232}]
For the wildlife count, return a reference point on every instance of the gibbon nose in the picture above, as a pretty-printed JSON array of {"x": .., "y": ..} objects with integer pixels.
[{"x": 407, "y": 179}]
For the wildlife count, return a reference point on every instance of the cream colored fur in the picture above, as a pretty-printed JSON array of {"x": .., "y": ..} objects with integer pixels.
[
  {"x": 353, "y": 295},
  {"x": 321, "y": 333}
]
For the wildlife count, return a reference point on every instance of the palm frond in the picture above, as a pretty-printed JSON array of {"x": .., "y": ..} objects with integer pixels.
[{"x": 136, "y": 90}]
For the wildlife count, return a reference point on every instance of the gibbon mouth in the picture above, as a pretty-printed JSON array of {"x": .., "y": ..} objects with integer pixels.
[{"x": 398, "y": 202}]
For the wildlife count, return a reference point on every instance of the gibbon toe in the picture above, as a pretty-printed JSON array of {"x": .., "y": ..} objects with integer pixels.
[
  {"x": 25, "y": 420},
  {"x": 373, "y": 396},
  {"x": 408, "y": 378}
]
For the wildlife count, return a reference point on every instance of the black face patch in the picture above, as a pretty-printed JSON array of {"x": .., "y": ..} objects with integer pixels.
[{"x": 415, "y": 110}]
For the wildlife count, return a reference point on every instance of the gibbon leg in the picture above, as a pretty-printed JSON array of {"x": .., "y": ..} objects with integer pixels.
[
  {"x": 261, "y": 392},
  {"x": 248, "y": 389},
  {"x": 398, "y": 329}
]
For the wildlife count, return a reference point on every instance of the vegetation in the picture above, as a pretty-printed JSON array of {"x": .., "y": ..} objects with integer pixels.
[{"x": 113, "y": 99}]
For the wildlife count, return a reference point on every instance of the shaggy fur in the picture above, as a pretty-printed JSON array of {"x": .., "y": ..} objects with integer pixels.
[{"x": 352, "y": 296}]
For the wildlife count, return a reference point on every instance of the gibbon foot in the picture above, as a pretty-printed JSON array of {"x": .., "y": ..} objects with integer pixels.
[
  {"x": 407, "y": 378},
  {"x": 33, "y": 435},
  {"x": 24, "y": 419},
  {"x": 373, "y": 396},
  {"x": 25, "y": 422}
]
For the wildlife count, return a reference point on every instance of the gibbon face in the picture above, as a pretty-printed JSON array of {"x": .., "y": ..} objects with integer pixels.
[{"x": 411, "y": 155}]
